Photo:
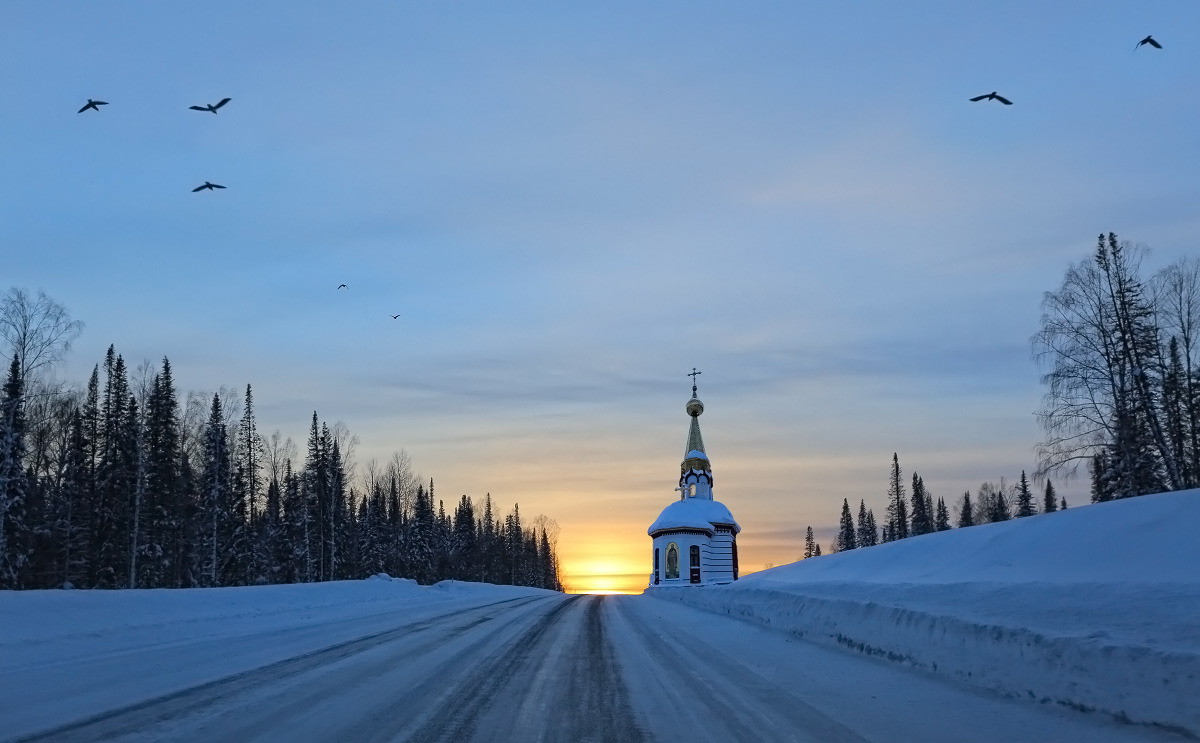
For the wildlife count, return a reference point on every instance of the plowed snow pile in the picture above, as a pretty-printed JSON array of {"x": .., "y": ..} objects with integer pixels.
[{"x": 1096, "y": 607}]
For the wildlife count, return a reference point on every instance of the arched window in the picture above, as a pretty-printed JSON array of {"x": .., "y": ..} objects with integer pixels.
[
  {"x": 672, "y": 561},
  {"x": 694, "y": 562}
]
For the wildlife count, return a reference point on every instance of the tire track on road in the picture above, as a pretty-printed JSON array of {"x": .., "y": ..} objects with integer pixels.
[
  {"x": 721, "y": 696},
  {"x": 558, "y": 682},
  {"x": 456, "y": 714},
  {"x": 597, "y": 704}
]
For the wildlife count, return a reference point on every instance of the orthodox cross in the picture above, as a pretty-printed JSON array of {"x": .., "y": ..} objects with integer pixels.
[{"x": 693, "y": 375}]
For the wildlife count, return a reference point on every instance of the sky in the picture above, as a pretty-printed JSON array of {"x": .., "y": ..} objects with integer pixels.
[{"x": 572, "y": 205}]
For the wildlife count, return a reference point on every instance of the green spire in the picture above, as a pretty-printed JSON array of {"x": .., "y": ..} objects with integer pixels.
[{"x": 695, "y": 442}]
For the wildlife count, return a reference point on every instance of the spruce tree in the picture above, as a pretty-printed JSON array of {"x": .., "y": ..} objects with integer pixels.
[
  {"x": 166, "y": 551},
  {"x": 1175, "y": 403},
  {"x": 867, "y": 535},
  {"x": 137, "y": 544},
  {"x": 487, "y": 542},
  {"x": 897, "y": 513},
  {"x": 966, "y": 515},
  {"x": 68, "y": 515},
  {"x": 513, "y": 540},
  {"x": 996, "y": 499},
  {"x": 337, "y": 529},
  {"x": 810, "y": 544},
  {"x": 1049, "y": 502},
  {"x": 922, "y": 518},
  {"x": 442, "y": 543},
  {"x": 274, "y": 534},
  {"x": 89, "y": 483},
  {"x": 1025, "y": 505},
  {"x": 941, "y": 519},
  {"x": 872, "y": 531},
  {"x": 1098, "y": 467},
  {"x": 465, "y": 544},
  {"x": 217, "y": 509},
  {"x": 550, "y": 579},
  {"x": 248, "y": 457},
  {"x": 421, "y": 558},
  {"x": 846, "y": 538},
  {"x": 14, "y": 529},
  {"x": 116, "y": 477}
]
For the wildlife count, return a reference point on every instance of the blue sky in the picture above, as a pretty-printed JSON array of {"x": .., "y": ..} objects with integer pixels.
[{"x": 571, "y": 206}]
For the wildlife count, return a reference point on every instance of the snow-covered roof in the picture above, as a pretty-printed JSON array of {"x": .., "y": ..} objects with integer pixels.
[
  {"x": 694, "y": 454},
  {"x": 693, "y": 513}
]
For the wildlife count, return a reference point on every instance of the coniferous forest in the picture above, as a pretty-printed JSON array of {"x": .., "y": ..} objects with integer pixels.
[{"x": 123, "y": 485}]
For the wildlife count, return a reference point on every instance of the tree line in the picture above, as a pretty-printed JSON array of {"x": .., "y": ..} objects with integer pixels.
[
  {"x": 122, "y": 486},
  {"x": 913, "y": 512},
  {"x": 1122, "y": 398}
]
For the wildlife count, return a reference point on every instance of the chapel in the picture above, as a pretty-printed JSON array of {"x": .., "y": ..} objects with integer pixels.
[{"x": 694, "y": 538}]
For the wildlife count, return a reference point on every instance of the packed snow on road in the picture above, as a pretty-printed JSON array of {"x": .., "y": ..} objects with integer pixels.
[{"x": 1077, "y": 625}]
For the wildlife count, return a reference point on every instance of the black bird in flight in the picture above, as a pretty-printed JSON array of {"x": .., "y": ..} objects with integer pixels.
[
  {"x": 342, "y": 286},
  {"x": 208, "y": 185},
  {"x": 94, "y": 105},
  {"x": 992, "y": 97},
  {"x": 212, "y": 107},
  {"x": 395, "y": 317},
  {"x": 1148, "y": 40}
]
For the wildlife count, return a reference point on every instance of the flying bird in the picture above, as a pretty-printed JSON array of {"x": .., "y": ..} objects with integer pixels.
[
  {"x": 208, "y": 185},
  {"x": 212, "y": 107},
  {"x": 1148, "y": 40},
  {"x": 342, "y": 286},
  {"x": 992, "y": 97},
  {"x": 395, "y": 317},
  {"x": 94, "y": 105}
]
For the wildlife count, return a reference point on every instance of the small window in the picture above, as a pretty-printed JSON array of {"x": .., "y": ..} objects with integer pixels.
[
  {"x": 656, "y": 565},
  {"x": 694, "y": 555},
  {"x": 672, "y": 561}
]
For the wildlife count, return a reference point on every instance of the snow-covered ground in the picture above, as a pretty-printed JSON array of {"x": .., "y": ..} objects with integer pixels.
[
  {"x": 1083, "y": 625},
  {"x": 70, "y": 655},
  {"x": 1095, "y": 608}
]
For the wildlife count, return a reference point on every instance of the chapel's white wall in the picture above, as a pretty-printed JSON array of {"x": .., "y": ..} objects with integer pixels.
[
  {"x": 716, "y": 559},
  {"x": 685, "y": 542}
]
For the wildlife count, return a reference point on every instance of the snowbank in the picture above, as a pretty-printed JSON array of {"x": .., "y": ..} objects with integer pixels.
[{"x": 1096, "y": 608}]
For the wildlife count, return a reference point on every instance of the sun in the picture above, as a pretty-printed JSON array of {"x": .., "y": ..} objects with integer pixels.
[{"x": 604, "y": 577}]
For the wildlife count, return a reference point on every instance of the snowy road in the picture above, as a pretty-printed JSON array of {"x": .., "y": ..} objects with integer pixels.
[{"x": 553, "y": 668}]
